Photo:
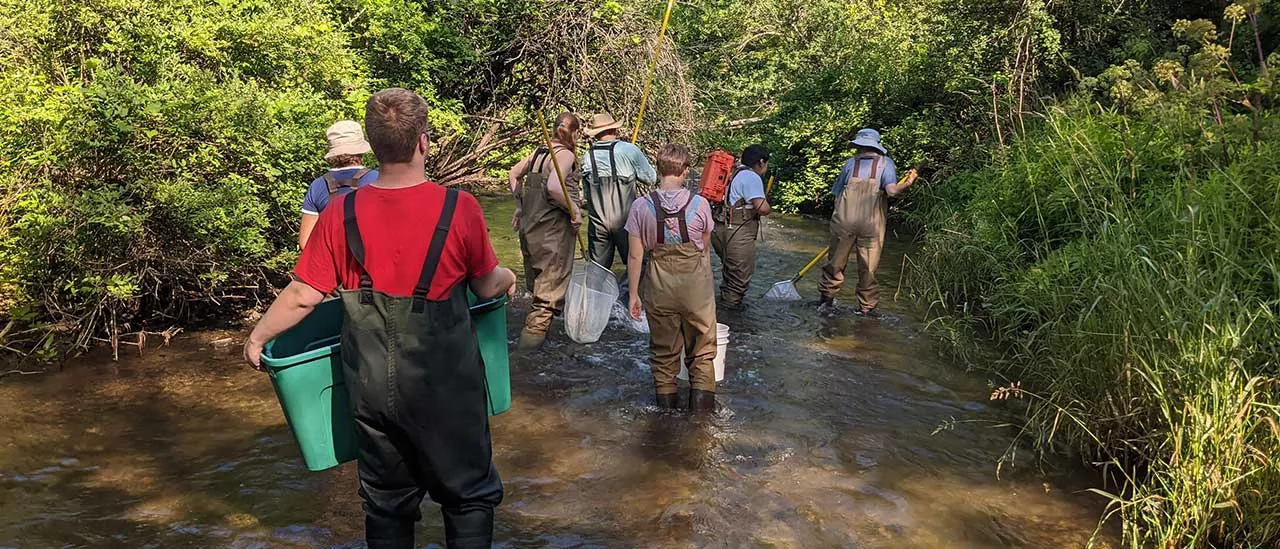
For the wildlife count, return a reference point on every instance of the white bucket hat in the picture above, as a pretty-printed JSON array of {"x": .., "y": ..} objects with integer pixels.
[
  {"x": 870, "y": 139},
  {"x": 346, "y": 137}
]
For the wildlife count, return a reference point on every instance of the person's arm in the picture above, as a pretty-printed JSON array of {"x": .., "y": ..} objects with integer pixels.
[
  {"x": 889, "y": 178},
  {"x": 843, "y": 178},
  {"x": 635, "y": 262},
  {"x": 644, "y": 170},
  {"x": 706, "y": 244},
  {"x": 514, "y": 177},
  {"x": 486, "y": 278},
  {"x": 894, "y": 188},
  {"x": 290, "y": 307},
  {"x": 500, "y": 280},
  {"x": 312, "y": 204},
  {"x": 755, "y": 192},
  {"x": 304, "y": 231}
]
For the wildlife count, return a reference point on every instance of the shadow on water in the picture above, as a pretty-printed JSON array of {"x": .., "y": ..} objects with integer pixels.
[{"x": 827, "y": 435}]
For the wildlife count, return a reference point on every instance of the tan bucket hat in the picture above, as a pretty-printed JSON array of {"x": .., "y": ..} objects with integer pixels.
[
  {"x": 346, "y": 137},
  {"x": 600, "y": 123}
]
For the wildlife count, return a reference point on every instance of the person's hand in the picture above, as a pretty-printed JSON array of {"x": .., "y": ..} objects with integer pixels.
[
  {"x": 911, "y": 176},
  {"x": 253, "y": 354},
  {"x": 576, "y": 223},
  {"x": 636, "y": 308},
  {"x": 515, "y": 221}
]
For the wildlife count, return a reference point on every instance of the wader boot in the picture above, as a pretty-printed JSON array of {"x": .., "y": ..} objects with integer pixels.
[
  {"x": 734, "y": 240},
  {"x": 546, "y": 241},
  {"x": 417, "y": 386},
  {"x": 609, "y": 201},
  {"x": 858, "y": 224},
  {"x": 678, "y": 293}
]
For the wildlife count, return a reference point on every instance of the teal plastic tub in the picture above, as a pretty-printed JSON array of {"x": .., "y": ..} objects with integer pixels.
[{"x": 305, "y": 365}]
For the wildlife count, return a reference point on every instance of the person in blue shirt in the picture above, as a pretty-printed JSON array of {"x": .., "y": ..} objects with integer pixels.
[
  {"x": 859, "y": 219},
  {"x": 347, "y": 147},
  {"x": 613, "y": 172},
  {"x": 738, "y": 224}
]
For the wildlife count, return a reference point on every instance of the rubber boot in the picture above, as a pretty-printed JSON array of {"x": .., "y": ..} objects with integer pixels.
[
  {"x": 702, "y": 402},
  {"x": 825, "y": 301},
  {"x": 385, "y": 533},
  {"x": 530, "y": 340},
  {"x": 668, "y": 401}
]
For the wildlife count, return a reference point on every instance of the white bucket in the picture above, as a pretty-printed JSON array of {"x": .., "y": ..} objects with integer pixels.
[{"x": 722, "y": 344}]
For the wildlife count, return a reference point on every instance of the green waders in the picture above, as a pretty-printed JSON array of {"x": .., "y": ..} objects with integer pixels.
[
  {"x": 546, "y": 241},
  {"x": 417, "y": 387},
  {"x": 678, "y": 293},
  {"x": 734, "y": 240},
  {"x": 858, "y": 224},
  {"x": 609, "y": 201}
]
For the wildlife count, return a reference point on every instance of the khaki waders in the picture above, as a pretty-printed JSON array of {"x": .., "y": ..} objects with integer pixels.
[
  {"x": 546, "y": 242},
  {"x": 417, "y": 386},
  {"x": 678, "y": 293},
  {"x": 609, "y": 199},
  {"x": 858, "y": 224},
  {"x": 734, "y": 240}
]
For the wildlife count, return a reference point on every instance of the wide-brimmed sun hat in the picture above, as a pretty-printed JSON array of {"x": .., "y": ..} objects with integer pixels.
[
  {"x": 870, "y": 139},
  {"x": 346, "y": 137},
  {"x": 600, "y": 123}
]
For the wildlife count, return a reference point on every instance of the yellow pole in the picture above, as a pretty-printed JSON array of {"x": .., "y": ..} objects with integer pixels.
[
  {"x": 768, "y": 187},
  {"x": 564, "y": 185},
  {"x": 653, "y": 67}
]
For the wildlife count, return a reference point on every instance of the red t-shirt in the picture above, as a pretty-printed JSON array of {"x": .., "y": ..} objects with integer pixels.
[{"x": 397, "y": 226}]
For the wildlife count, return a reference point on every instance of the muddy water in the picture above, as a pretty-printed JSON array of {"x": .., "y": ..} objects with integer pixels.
[{"x": 834, "y": 431}]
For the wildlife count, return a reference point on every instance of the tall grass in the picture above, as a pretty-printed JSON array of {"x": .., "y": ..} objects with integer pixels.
[{"x": 1129, "y": 277}]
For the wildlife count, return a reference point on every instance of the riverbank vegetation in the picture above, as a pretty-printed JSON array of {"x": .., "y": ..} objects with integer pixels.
[{"x": 1098, "y": 215}]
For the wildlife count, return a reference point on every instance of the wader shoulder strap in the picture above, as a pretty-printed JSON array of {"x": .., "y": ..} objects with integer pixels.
[
  {"x": 355, "y": 246},
  {"x": 336, "y": 184},
  {"x": 662, "y": 215},
  {"x": 435, "y": 251},
  {"x": 613, "y": 160},
  {"x": 539, "y": 158}
]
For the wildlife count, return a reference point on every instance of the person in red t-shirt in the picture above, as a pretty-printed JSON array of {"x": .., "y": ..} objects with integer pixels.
[{"x": 410, "y": 357}]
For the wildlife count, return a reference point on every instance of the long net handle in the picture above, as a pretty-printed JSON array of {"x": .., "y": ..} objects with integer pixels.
[
  {"x": 653, "y": 68},
  {"x": 812, "y": 262},
  {"x": 564, "y": 185}
]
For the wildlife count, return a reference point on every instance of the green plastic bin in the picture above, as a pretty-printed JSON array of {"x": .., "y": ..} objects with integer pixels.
[{"x": 305, "y": 365}]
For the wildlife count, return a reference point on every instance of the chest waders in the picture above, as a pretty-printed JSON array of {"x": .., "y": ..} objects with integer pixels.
[
  {"x": 734, "y": 240},
  {"x": 546, "y": 241},
  {"x": 335, "y": 184},
  {"x": 417, "y": 387},
  {"x": 858, "y": 225},
  {"x": 678, "y": 293},
  {"x": 609, "y": 199}
]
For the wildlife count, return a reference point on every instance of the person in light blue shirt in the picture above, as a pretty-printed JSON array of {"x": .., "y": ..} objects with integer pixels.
[
  {"x": 859, "y": 220},
  {"x": 611, "y": 170},
  {"x": 738, "y": 224},
  {"x": 347, "y": 147}
]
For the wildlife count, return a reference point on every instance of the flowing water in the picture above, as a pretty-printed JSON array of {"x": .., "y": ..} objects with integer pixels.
[{"x": 834, "y": 431}]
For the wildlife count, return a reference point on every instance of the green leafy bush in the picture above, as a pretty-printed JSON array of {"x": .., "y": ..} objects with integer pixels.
[
  {"x": 154, "y": 155},
  {"x": 1123, "y": 257}
]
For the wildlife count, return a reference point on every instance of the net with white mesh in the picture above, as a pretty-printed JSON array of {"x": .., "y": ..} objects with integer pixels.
[
  {"x": 783, "y": 291},
  {"x": 589, "y": 301}
]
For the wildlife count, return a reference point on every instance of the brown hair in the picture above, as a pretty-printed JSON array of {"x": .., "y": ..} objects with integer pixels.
[
  {"x": 568, "y": 120},
  {"x": 394, "y": 118},
  {"x": 673, "y": 160},
  {"x": 344, "y": 160}
]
